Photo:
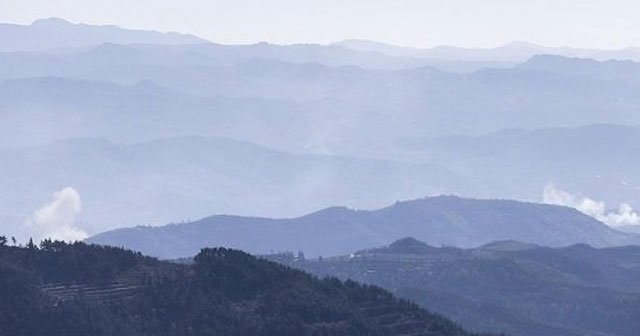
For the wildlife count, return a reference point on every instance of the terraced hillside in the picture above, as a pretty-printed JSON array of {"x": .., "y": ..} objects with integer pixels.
[
  {"x": 79, "y": 289},
  {"x": 95, "y": 293},
  {"x": 512, "y": 287}
]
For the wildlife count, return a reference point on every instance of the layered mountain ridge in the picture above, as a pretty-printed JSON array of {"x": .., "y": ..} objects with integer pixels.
[{"x": 444, "y": 220}]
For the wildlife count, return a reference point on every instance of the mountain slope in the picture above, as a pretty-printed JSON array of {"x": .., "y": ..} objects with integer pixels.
[
  {"x": 71, "y": 108},
  {"x": 349, "y": 110},
  {"x": 520, "y": 162},
  {"x": 57, "y": 34},
  {"x": 335, "y": 231},
  {"x": 86, "y": 290},
  {"x": 612, "y": 70},
  {"x": 630, "y": 228},
  {"x": 175, "y": 179},
  {"x": 511, "y": 287}
]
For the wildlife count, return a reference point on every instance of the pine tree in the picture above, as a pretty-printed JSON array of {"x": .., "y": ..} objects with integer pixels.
[{"x": 31, "y": 245}]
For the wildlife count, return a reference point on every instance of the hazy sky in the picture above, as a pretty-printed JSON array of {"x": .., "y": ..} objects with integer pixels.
[{"x": 423, "y": 23}]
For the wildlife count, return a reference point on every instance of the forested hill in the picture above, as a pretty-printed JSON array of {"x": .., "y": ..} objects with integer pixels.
[
  {"x": 517, "y": 288},
  {"x": 79, "y": 289}
]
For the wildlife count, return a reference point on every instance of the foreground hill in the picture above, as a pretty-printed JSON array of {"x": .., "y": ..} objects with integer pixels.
[
  {"x": 439, "y": 221},
  {"x": 521, "y": 289},
  {"x": 87, "y": 290}
]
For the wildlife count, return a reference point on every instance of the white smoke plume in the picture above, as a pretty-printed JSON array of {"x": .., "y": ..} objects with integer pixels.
[
  {"x": 625, "y": 215},
  {"x": 58, "y": 218}
]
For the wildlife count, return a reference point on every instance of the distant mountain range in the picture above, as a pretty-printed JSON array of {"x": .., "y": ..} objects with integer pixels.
[
  {"x": 439, "y": 221},
  {"x": 203, "y": 175},
  {"x": 516, "y": 288},
  {"x": 348, "y": 111},
  {"x": 340, "y": 99},
  {"x": 610, "y": 70},
  {"x": 515, "y": 52},
  {"x": 59, "y": 35},
  {"x": 367, "y": 124},
  {"x": 55, "y": 34},
  {"x": 181, "y": 178},
  {"x": 520, "y": 161}
]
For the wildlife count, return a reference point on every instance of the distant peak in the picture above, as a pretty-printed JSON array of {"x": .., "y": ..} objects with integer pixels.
[
  {"x": 408, "y": 241},
  {"x": 51, "y": 22},
  {"x": 409, "y": 245},
  {"x": 332, "y": 211}
]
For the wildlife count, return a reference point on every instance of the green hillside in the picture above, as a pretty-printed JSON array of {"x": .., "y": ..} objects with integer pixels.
[{"x": 78, "y": 289}]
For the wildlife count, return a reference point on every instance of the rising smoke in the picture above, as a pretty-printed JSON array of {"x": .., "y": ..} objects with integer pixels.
[
  {"x": 625, "y": 215},
  {"x": 58, "y": 218}
]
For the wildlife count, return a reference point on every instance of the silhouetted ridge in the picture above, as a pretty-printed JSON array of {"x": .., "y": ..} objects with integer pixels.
[
  {"x": 57, "y": 34},
  {"x": 437, "y": 221},
  {"x": 409, "y": 245},
  {"x": 51, "y": 23},
  {"x": 61, "y": 289},
  {"x": 333, "y": 212}
]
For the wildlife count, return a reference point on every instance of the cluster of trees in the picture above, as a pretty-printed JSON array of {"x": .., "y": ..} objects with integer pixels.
[
  {"x": 57, "y": 261},
  {"x": 224, "y": 292},
  {"x": 4, "y": 241}
]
